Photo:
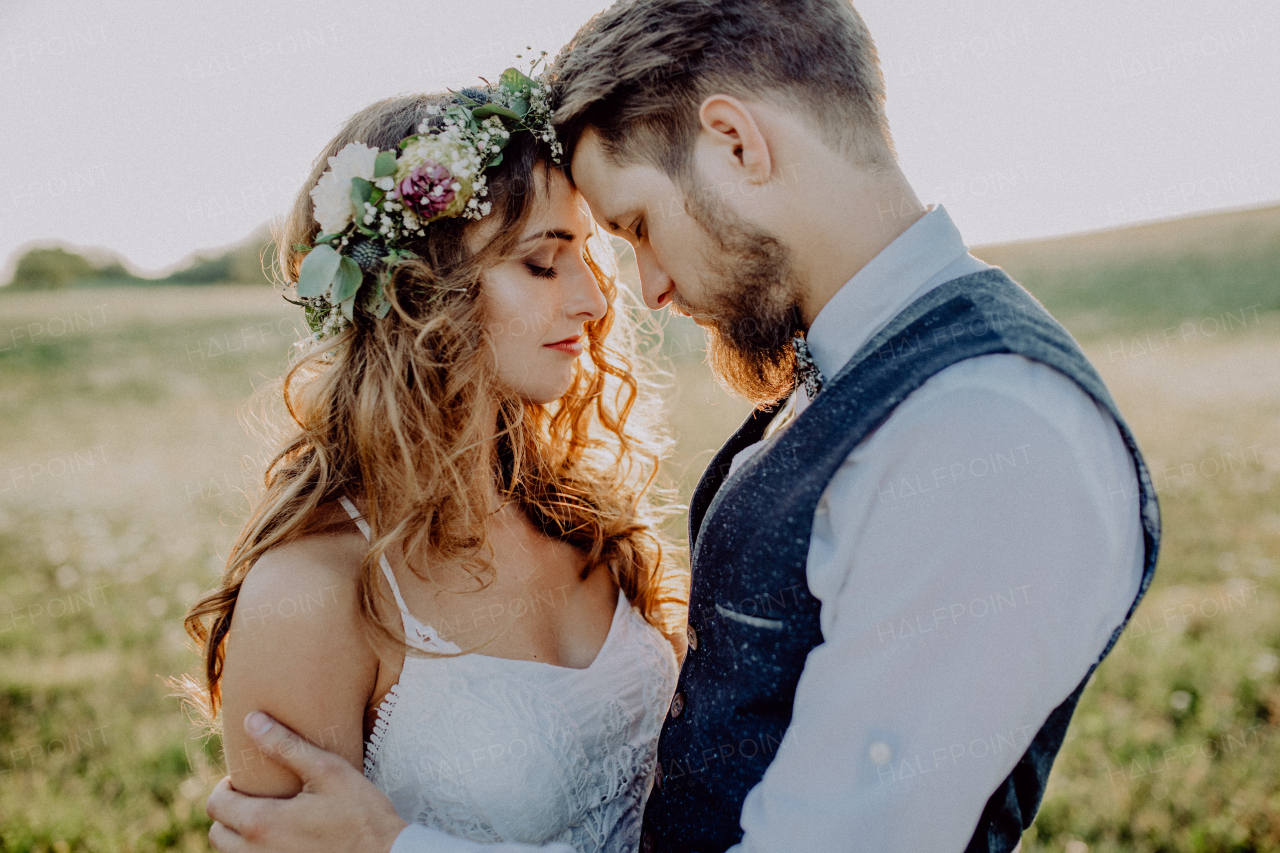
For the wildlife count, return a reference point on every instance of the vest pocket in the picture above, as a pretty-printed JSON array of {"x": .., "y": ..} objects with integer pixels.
[{"x": 753, "y": 621}]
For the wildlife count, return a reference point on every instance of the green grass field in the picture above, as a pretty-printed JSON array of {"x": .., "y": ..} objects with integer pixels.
[{"x": 122, "y": 460}]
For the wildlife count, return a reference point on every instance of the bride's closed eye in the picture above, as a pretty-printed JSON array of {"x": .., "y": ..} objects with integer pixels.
[{"x": 539, "y": 271}]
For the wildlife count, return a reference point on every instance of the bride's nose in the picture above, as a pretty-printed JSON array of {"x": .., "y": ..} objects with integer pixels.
[{"x": 583, "y": 298}]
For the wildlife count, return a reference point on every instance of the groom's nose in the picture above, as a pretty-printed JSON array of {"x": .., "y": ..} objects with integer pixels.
[{"x": 655, "y": 285}]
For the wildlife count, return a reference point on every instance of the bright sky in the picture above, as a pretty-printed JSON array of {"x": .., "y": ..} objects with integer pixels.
[{"x": 158, "y": 128}]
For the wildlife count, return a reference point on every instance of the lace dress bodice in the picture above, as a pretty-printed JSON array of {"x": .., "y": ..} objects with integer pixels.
[{"x": 495, "y": 749}]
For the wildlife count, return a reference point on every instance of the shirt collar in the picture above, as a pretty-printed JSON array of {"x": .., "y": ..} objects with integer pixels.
[{"x": 882, "y": 289}]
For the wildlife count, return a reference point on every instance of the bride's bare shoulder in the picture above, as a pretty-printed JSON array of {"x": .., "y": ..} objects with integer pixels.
[
  {"x": 305, "y": 588},
  {"x": 297, "y": 651},
  {"x": 331, "y": 552}
]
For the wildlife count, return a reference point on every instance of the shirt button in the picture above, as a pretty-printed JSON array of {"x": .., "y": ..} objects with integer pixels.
[
  {"x": 693, "y": 637},
  {"x": 677, "y": 704}
]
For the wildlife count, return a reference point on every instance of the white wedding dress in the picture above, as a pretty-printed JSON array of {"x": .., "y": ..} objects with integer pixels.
[{"x": 494, "y": 749}]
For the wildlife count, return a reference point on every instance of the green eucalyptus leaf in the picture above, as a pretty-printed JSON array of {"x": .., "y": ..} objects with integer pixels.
[
  {"x": 514, "y": 81},
  {"x": 361, "y": 190},
  {"x": 317, "y": 271},
  {"x": 348, "y": 308},
  {"x": 373, "y": 299},
  {"x": 327, "y": 238},
  {"x": 496, "y": 160},
  {"x": 384, "y": 165},
  {"x": 520, "y": 106},
  {"x": 346, "y": 282},
  {"x": 365, "y": 229},
  {"x": 495, "y": 110},
  {"x": 462, "y": 114},
  {"x": 375, "y": 198},
  {"x": 396, "y": 256}
]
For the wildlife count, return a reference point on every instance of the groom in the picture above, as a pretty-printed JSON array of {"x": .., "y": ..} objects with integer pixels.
[{"x": 910, "y": 558}]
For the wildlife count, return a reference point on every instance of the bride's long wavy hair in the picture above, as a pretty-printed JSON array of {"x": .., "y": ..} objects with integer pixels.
[{"x": 398, "y": 414}]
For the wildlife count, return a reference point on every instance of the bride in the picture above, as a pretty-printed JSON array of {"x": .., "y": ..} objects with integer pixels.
[{"x": 453, "y": 576}]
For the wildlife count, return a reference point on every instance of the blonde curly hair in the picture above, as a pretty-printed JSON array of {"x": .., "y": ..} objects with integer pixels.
[{"x": 397, "y": 413}]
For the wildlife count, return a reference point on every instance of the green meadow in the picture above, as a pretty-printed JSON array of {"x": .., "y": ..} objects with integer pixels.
[{"x": 124, "y": 462}]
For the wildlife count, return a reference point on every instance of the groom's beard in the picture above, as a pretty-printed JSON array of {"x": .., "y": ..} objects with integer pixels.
[{"x": 751, "y": 310}]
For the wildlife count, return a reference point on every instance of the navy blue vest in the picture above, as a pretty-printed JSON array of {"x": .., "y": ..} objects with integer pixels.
[{"x": 749, "y": 536}]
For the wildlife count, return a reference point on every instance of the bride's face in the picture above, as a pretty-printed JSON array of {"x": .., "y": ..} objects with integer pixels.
[{"x": 538, "y": 302}]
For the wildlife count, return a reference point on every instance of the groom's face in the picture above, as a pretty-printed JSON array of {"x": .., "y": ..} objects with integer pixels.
[
  {"x": 694, "y": 253},
  {"x": 642, "y": 205}
]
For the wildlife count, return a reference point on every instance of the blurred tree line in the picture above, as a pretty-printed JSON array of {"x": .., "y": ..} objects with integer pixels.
[{"x": 57, "y": 268}]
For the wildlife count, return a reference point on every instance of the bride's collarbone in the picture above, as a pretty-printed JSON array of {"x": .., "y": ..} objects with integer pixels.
[{"x": 534, "y": 606}]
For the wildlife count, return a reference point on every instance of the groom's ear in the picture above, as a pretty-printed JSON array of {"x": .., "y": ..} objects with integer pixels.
[{"x": 732, "y": 141}]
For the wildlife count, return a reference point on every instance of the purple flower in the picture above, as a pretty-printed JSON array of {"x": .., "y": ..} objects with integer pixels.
[{"x": 427, "y": 190}]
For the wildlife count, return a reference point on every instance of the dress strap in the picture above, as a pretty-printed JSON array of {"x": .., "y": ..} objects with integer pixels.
[{"x": 386, "y": 566}]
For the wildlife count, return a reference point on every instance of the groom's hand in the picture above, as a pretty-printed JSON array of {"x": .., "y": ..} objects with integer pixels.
[{"x": 337, "y": 810}]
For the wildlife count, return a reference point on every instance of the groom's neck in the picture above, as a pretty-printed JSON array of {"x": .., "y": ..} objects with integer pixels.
[{"x": 848, "y": 216}]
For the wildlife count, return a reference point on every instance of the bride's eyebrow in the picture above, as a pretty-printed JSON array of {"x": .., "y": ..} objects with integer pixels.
[{"x": 556, "y": 234}]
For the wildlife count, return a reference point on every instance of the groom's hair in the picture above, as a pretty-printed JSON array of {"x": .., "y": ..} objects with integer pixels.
[{"x": 637, "y": 73}]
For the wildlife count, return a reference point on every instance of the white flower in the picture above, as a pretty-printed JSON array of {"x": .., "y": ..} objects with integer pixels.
[
  {"x": 385, "y": 183},
  {"x": 332, "y": 193}
]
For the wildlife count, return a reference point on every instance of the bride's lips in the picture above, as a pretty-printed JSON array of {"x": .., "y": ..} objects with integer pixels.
[{"x": 571, "y": 346}]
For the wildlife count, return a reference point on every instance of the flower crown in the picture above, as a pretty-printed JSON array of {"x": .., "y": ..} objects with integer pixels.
[{"x": 369, "y": 202}]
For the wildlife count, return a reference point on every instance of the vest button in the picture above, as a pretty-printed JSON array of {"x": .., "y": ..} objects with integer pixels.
[
  {"x": 657, "y": 775},
  {"x": 677, "y": 704},
  {"x": 692, "y": 635}
]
